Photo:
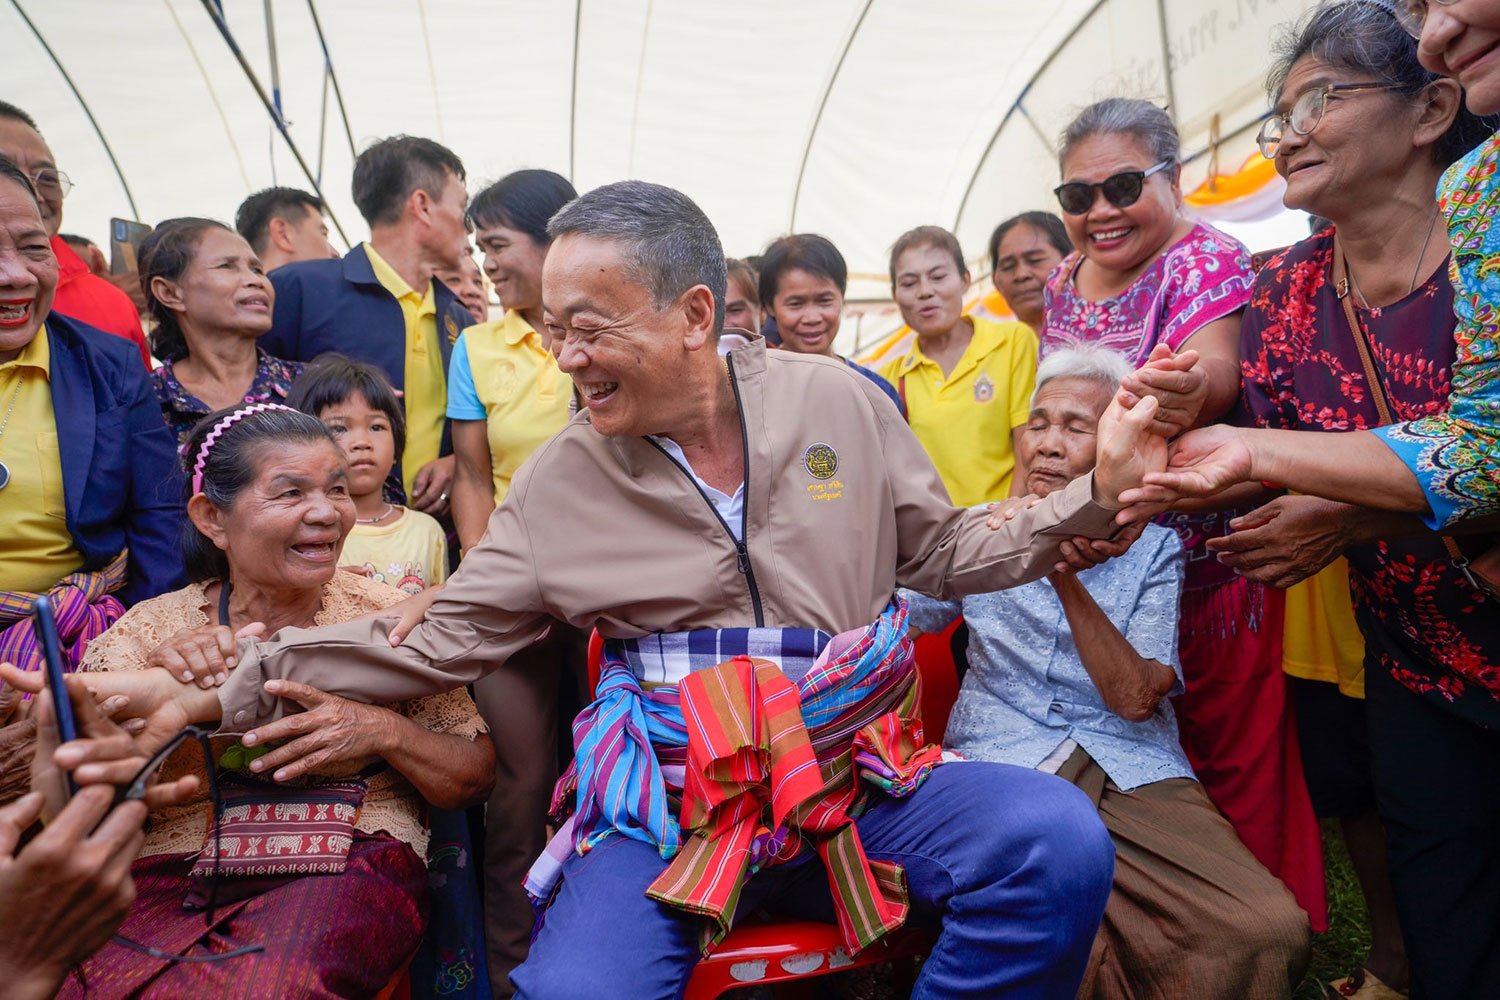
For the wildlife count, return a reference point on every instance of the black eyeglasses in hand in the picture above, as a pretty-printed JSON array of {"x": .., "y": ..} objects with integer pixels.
[{"x": 136, "y": 789}]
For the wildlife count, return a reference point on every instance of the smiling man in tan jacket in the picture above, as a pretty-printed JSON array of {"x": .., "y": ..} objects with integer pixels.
[{"x": 755, "y": 504}]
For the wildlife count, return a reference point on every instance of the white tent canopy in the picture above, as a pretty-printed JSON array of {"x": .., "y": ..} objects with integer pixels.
[{"x": 854, "y": 118}]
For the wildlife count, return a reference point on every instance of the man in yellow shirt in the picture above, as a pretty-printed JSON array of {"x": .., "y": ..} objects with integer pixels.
[{"x": 381, "y": 304}]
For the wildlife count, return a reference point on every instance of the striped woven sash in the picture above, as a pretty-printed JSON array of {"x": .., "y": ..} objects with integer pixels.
[
  {"x": 84, "y": 609},
  {"x": 765, "y": 767}
]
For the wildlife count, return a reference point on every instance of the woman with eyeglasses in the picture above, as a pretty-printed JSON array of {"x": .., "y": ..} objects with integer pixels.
[
  {"x": 1362, "y": 133},
  {"x": 90, "y": 485},
  {"x": 1147, "y": 279},
  {"x": 1346, "y": 331},
  {"x": 1446, "y": 466},
  {"x": 320, "y": 849}
]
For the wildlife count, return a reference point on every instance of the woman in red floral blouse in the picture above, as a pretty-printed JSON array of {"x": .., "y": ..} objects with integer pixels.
[{"x": 1369, "y": 162}]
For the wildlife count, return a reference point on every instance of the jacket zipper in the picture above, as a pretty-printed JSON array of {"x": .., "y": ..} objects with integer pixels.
[{"x": 742, "y": 551}]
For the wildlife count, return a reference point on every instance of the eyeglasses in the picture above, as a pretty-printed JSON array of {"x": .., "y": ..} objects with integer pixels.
[
  {"x": 1307, "y": 112},
  {"x": 1121, "y": 190},
  {"x": 52, "y": 181},
  {"x": 1412, "y": 14}
]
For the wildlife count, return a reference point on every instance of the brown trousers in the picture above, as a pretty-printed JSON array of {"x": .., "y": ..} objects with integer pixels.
[
  {"x": 1192, "y": 913},
  {"x": 519, "y": 703}
]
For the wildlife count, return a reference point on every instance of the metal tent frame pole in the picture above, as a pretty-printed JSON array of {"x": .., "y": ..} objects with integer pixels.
[
  {"x": 271, "y": 110},
  {"x": 108, "y": 151}
]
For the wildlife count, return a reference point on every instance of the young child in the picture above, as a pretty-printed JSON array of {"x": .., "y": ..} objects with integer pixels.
[{"x": 390, "y": 543}]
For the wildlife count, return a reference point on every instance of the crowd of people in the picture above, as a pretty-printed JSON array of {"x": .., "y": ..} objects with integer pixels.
[{"x": 327, "y": 546}]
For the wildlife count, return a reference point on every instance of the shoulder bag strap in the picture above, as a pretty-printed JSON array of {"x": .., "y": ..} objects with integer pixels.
[{"x": 1377, "y": 389}]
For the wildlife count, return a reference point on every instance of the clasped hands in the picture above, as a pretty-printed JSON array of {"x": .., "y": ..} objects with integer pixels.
[
  {"x": 1155, "y": 403},
  {"x": 332, "y": 736}
]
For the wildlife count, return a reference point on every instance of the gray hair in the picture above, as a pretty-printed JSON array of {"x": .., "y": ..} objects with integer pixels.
[
  {"x": 1141, "y": 120},
  {"x": 1092, "y": 362},
  {"x": 668, "y": 243},
  {"x": 1363, "y": 38}
]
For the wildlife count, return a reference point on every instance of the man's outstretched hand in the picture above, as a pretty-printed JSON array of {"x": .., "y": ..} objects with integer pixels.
[{"x": 1129, "y": 449}]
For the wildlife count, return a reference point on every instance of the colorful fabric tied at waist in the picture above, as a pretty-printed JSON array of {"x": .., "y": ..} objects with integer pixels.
[
  {"x": 83, "y": 609},
  {"x": 771, "y": 767}
]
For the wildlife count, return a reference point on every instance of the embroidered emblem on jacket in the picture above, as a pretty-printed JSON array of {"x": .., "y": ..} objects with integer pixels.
[{"x": 821, "y": 460}]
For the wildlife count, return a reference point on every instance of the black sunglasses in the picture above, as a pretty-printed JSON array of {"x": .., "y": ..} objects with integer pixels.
[{"x": 1121, "y": 190}]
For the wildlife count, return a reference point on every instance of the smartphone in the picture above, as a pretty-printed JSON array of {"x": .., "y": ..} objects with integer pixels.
[
  {"x": 125, "y": 236},
  {"x": 62, "y": 705}
]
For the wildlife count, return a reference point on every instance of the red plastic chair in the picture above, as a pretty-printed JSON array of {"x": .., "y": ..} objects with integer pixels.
[
  {"x": 938, "y": 674},
  {"x": 762, "y": 954}
]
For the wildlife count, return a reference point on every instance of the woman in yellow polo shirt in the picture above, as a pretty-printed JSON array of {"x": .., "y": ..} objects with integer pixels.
[
  {"x": 966, "y": 382},
  {"x": 506, "y": 396},
  {"x": 90, "y": 486}
]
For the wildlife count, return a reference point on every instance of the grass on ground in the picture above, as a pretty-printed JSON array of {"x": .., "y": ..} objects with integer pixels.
[{"x": 1338, "y": 952}]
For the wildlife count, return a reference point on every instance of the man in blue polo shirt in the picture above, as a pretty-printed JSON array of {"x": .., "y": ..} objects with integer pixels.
[{"x": 381, "y": 304}]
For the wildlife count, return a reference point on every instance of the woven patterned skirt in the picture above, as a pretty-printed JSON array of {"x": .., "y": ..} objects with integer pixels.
[{"x": 325, "y": 936}]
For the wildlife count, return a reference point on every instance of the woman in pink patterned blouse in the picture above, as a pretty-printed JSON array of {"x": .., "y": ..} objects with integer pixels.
[{"x": 1148, "y": 278}]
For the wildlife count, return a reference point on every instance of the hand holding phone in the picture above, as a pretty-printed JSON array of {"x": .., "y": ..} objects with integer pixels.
[
  {"x": 104, "y": 753},
  {"x": 125, "y": 236},
  {"x": 59, "y": 726}
]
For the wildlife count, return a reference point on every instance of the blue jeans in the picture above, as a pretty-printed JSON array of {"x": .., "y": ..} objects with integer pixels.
[{"x": 1014, "y": 865}]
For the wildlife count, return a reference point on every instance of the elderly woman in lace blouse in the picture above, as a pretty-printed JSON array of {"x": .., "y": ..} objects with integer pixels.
[
  {"x": 269, "y": 513},
  {"x": 1071, "y": 675}
]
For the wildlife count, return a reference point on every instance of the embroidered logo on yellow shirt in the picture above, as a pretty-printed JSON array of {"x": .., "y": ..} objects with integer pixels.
[
  {"x": 821, "y": 460},
  {"x": 984, "y": 388}
]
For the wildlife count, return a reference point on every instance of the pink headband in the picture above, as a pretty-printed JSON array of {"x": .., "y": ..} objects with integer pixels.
[{"x": 219, "y": 428}]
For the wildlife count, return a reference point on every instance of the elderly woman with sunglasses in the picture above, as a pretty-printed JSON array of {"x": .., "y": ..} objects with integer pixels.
[
  {"x": 1148, "y": 281},
  {"x": 315, "y": 863}
]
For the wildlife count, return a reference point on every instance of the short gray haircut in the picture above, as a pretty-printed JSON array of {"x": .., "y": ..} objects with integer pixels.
[
  {"x": 668, "y": 242},
  {"x": 1092, "y": 362},
  {"x": 1141, "y": 120}
]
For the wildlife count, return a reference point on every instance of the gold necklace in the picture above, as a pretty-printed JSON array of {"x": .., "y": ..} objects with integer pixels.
[{"x": 1416, "y": 271}]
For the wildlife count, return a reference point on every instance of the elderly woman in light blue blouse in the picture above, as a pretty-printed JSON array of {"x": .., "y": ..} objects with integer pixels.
[{"x": 1070, "y": 675}]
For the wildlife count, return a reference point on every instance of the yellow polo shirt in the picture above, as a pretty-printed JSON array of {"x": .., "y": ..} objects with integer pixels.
[
  {"x": 425, "y": 394},
  {"x": 500, "y": 373},
  {"x": 965, "y": 420},
  {"x": 36, "y": 550}
]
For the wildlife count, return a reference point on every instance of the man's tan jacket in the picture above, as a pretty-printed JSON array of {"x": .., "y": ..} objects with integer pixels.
[{"x": 841, "y": 506}]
